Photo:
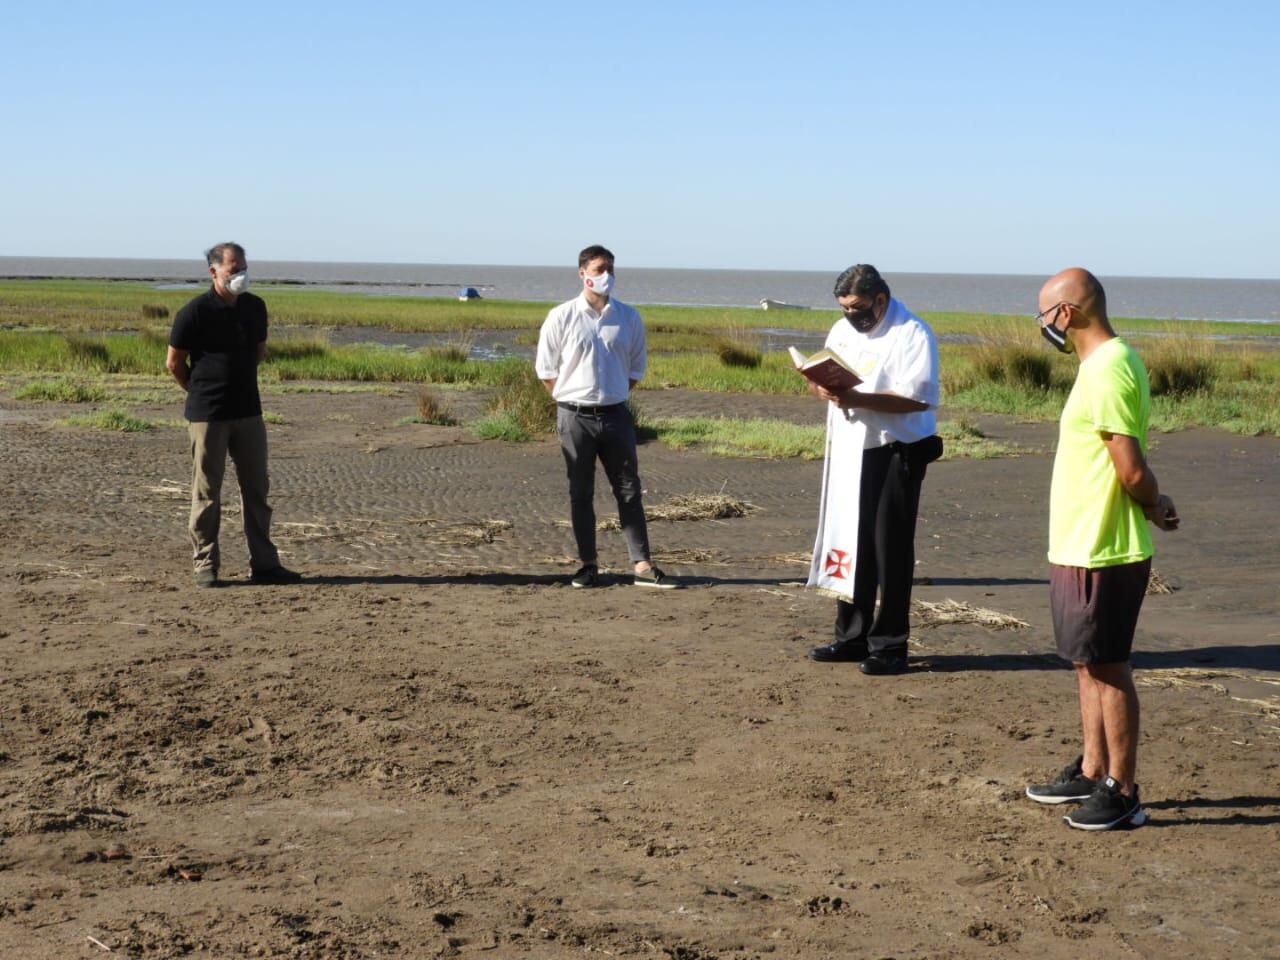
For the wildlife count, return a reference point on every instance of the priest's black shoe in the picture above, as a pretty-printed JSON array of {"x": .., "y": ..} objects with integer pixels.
[
  {"x": 842, "y": 651},
  {"x": 884, "y": 663}
]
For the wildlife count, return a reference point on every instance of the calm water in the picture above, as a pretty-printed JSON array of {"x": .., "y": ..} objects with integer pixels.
[{"x": 1210, "y": 299}]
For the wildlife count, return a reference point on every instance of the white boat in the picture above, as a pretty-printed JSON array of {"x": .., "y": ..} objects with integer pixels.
[{"x": 767, "y": 304}]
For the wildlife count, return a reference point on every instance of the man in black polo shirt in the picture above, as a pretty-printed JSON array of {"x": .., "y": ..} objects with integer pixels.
[{"x": 214, "y": 349}]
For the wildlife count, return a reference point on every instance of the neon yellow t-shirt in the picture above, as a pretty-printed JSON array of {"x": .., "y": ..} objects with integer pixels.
[{"x": 1093, "y": 522}]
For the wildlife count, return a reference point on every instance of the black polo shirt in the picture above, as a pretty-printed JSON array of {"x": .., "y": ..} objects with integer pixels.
[{"x": 222, "y": 340}]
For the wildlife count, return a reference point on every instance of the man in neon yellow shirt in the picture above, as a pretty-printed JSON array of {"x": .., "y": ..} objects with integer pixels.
[{"x": 1101, "y": 497}]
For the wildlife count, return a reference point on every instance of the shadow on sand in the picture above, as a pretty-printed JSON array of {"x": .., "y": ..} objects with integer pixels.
[
  {"x": 1185, "y": 813},
  {"x": 1261, "y": 657},
  {"x": 511, "y": 579}
]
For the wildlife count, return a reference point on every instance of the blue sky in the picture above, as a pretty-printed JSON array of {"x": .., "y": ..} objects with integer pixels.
[{"x": 1134, "y": 138}]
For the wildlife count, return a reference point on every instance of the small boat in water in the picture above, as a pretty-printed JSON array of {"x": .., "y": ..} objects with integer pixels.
[
  {"x": 767, "y": 304},
  {"x": 468, "y": 293}
]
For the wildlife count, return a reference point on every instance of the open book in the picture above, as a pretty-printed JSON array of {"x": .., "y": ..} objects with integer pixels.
[{"x": 826, "y": 369}]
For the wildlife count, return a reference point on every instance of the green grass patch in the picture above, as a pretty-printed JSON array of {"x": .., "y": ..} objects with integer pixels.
[
  {"x": 520, "y": 410},
  {"x": 115, "y": 419},
  {"x": 729, "y": 437},
  {"x": 62, "y": 328},
  {"x": 501, "y": 426},
  {"x": 269, "y": 416},
  {"x": 779, "y": 439},
  {"x": 963, "y": 440},
  {"x": 61, "y": 391},
  {"x": 705, "y": 371}
]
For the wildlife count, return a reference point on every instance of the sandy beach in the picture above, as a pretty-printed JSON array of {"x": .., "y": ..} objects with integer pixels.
[{"x": 433, "y": 747}]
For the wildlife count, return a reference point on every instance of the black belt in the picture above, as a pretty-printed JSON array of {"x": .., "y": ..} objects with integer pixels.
[
  {"x": 927, "y": 449},
  {"x": 592, "y": 411}
]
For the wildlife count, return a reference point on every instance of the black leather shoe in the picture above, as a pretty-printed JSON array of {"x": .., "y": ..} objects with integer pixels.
[
  {"x": 842, "y": 651},
  {"x": 276, "y": 575},
  {"x": 884, "y": 663}
]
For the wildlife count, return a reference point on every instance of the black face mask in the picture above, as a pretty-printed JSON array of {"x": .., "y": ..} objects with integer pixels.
[
  {"x": 864, "y": 320},
  {"x": 1056, "y": 337}
]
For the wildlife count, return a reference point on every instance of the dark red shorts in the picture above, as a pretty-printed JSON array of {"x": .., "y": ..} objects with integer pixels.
[{"x": 1096, "y": 611}]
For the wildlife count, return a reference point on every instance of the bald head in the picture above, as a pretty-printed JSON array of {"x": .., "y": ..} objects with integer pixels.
[{"x": 1078, "y": 287}]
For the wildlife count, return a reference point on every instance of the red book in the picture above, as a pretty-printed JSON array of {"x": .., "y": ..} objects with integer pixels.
[{"x": 826, "y": 369}]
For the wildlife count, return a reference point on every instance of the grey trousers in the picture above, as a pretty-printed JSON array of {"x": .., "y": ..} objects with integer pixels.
[
  {"x": 246, "y": 440},
  {"x": 607, "y": 433}
]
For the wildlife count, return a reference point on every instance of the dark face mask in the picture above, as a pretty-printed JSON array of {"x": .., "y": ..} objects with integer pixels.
[
  {"x": 864, "y": 320},
  {"x": 1056, "y": 337}
]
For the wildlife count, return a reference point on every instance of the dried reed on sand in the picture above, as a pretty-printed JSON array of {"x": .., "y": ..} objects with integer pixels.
[{"x": 929, "y": 614}]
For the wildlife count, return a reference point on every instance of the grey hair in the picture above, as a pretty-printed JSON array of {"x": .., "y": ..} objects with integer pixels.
[
  {"x": 861, "y": 280},
  {"x": 216, "y": 254}
]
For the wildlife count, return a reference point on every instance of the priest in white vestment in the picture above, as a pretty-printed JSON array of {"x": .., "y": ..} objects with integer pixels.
[{"x": 880, "y": 438}]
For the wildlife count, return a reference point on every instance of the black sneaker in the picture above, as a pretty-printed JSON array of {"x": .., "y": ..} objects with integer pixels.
[
  {"x": 275, "y": 575},
  {"x": 587, "y": 576},
  {"x": 653, "y": 577},
  {"x": 1071, "y": 786},
  {"x": 1108, "y": 808}
]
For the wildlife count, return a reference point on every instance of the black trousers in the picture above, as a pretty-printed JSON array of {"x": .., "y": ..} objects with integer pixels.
[
  {"x": 609, "y": 435},
  {"x": 888, "y": 503}
]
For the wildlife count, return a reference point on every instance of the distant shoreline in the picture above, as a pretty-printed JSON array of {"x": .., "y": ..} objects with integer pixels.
[{"x": 1249, "y": 301}]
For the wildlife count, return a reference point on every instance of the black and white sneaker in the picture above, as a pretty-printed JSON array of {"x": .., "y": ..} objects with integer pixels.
[
  {"x": 1071, "y": 786},
  {"x": 1108, "y": 808},
  {"x": 654, "y": 578},
  {"x": 587, "y": 576}
]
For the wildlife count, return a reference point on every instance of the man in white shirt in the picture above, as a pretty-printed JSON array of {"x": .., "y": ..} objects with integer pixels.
[
  {"x": 895, "y": 354},
  {"x": 591, "y": 353}
]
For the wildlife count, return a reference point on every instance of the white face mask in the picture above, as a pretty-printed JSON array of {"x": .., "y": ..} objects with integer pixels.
[
  {"x": 601, "y": 284},
  {"x": 238, "y": 283}
]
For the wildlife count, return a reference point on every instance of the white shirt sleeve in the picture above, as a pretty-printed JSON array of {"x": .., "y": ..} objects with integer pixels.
[
  {"x": 639, "y": 349},
  {"x": 547, "y": 361},
  {"x": 914, "y": 373}
]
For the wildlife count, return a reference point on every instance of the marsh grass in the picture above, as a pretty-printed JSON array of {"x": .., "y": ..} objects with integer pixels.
[
  {"x": 963, "y": 440},
  {"x": 99, "y": 306},
  {"x": 457, "y": 350},
  {"x": 705, "y": 371},
  {"x": 520, "y": 410},
  {"x": 998, "y": 366},
  {"x": 87, "y": 352},
  {"x": 61, "y": 391},
  {"x": 154, "y": 311},
  {"x": 1178, "y": 365},
  {"x": 757, "y": 438},
  {"x": 434, "y": 410},
  {"x": 270, "y": 416},
  {"x": 155, "y": 336},
  {"x": 738, "y": 347},
  {"x": 115, "y": 419},
  {"x": 1007, "y": 353},
  {"x": 298, "y": 345}
]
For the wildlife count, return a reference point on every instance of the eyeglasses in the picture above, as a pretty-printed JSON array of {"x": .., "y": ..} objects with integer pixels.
[{"x": 1040, "y": 317}]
